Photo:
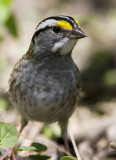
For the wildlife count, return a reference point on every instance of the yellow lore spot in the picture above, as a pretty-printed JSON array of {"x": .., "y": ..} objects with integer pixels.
[
  {"x": 64, "y": 24},
  {"x": 77, "y": 22}
]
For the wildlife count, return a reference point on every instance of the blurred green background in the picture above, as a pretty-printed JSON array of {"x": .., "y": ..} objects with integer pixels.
[{"x": 95, "y": 55}]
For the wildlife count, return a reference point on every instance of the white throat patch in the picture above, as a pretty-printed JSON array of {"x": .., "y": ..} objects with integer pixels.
[{"x": 65, "y": 46}]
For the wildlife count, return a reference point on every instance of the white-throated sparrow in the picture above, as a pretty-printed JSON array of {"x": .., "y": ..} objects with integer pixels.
[{"x": 44, "y": 84}]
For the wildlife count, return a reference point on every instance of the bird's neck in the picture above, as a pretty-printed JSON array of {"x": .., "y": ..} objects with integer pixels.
[{"x": 52, "y": 61}]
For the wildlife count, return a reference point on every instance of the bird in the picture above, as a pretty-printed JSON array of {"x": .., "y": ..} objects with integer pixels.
[{"x": 44, "y": 84}]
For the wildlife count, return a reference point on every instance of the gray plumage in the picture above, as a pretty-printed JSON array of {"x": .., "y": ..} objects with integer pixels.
[
  {"x": 44, "y": 84},
  {"x": 47, "y": 90}
]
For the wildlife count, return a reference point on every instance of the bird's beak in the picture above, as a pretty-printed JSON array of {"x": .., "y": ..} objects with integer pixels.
[{"x": 77, "y": 34}]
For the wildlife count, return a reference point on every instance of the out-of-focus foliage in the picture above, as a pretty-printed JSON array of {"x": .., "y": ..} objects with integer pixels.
[
  {"x": 99, "y": 77},
  {"x": 68, "y": 158},
  {"x": 7, "y": 22},
  {"x": 25, "y": 148},
  {"x": 7, "y": 18},
  {"x": 12, "y": 25},
  {"x": 3, "y": 62},
  {"x": 39, "y": 147},
  {"x": 39, "y": 157},
  {"x": 50, "y": 132},
  {"x": 3, "y": 104},
  {"x": 4, "y": 10},
  {"x": 110, "y": 77}
]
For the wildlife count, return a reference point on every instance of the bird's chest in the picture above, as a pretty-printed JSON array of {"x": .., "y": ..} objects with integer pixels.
[
  {"x": 44, "y": 86},
  {"x": 43, "y": 91}
]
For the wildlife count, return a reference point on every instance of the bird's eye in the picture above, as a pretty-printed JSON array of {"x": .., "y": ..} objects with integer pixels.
[{"x": 56, "y": 29}]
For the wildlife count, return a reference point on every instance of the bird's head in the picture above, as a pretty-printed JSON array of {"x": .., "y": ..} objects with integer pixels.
[{"x": 56, "y": 35}]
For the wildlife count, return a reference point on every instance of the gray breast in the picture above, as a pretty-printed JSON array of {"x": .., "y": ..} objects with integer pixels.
[{"x": 44, "y": 93}]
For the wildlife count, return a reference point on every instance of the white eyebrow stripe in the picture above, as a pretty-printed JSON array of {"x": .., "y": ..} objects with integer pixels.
[{"x": 48, "y": 22}]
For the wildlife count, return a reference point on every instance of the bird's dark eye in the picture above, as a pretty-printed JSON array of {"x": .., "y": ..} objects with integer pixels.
[{"x": 56, "y": 29}]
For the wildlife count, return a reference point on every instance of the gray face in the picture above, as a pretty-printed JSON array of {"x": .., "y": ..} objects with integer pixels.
[
  {"x": 55, "y": 35},
  {"x": 50, "y": 41}
]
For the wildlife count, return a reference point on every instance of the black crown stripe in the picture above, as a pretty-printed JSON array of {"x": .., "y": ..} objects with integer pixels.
[{"x": 59, "y": 18}]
